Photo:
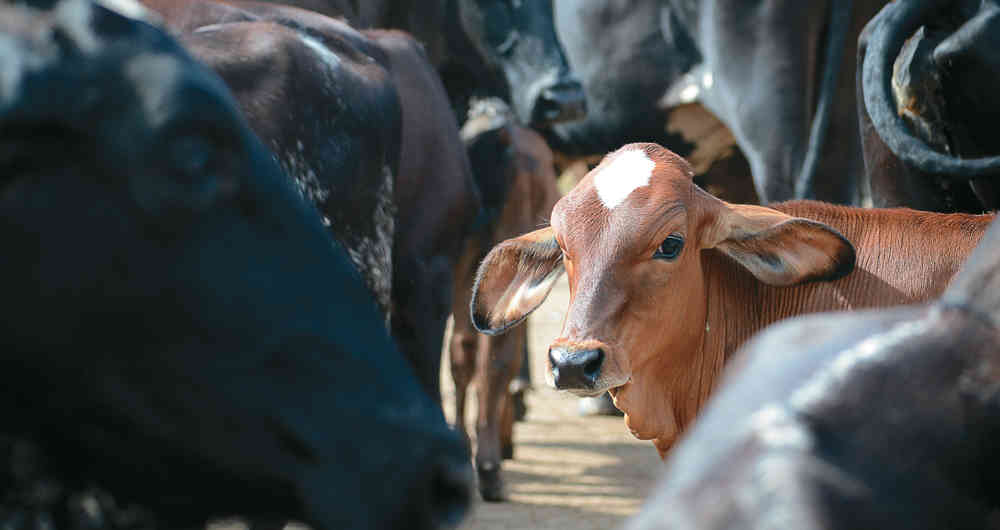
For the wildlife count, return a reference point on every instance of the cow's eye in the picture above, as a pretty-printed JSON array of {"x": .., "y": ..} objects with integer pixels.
[{"x": 670, "y": 248}]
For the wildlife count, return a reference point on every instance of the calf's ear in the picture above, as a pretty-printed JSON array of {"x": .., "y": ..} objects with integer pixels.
[
  {"x": 780, "y": 249},
  {"x": 514, "y": 280}
]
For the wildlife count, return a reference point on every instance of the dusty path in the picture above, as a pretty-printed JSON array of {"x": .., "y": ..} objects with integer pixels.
[{"x": 568, "y": 472}]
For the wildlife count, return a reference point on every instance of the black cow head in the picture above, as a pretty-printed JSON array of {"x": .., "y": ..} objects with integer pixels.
[
  {"x": 177, "y": 326},
  {"x": 518, "y": 37}
]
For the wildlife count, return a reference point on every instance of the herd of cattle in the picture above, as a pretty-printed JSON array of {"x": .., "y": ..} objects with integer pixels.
[{"x": 234, "y": 232}]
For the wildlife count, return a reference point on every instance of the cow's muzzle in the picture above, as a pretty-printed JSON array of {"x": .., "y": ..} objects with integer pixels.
[
  {"x": 576, "y": 369},
  {"x": 558, "y": 102}
]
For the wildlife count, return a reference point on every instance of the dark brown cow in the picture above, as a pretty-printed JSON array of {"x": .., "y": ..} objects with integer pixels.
[
  {"x": 364, "y": 124},
  {"x": 666, "y": 281},
  {"x": 322, "y": 100},
  {"x": 437, "y": 204},
  {"x": 882, "y": 419},
  {"x": 514, "y": 169}
]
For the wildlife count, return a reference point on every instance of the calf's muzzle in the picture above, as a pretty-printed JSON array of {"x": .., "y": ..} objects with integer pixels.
[{"x": 575, "y": 369}]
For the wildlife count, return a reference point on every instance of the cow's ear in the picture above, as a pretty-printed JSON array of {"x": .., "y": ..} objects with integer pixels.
[
  {"x": 514, "y": 280},
  {"x": 777, "y": 248}
]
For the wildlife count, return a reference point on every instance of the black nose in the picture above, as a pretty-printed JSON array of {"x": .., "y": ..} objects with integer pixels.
[
  {"x": 575, "y": 369},
  {"x": 559, "y": 102}
]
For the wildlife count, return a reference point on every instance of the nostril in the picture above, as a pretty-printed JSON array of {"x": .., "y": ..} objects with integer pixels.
[
  {"x": 592, "y": 368},
  {"x": 563, "y": 101}
]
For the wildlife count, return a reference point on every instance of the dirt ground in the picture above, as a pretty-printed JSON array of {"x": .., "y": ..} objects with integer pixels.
[{"x": 568, "y": 472}]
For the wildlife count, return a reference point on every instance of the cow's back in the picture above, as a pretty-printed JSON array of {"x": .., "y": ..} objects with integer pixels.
[
  {"x": 339, "y": 138},
  {"x": 903, "y": 256}
]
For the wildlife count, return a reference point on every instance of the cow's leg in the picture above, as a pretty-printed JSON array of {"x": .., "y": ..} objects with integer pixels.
[
  {"x": 497, "y": 365},
  {"x": 507, "y": 428},
  {"x": 465, "y": 340},
  {"x": 462, "y": 352},
  {"x": 508, "y": 409}
]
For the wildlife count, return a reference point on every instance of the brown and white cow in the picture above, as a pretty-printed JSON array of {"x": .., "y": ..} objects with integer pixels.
[{"x": 666, "y": 281}]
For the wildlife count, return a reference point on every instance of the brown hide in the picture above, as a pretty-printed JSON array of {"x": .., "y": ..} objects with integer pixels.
[
  {"x": 664, "y": 327},
  {"x": 526, "y": 189},
  {"x": 433, "y": 194}
]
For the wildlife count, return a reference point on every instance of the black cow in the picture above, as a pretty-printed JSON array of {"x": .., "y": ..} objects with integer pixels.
[
  {"x": 777, "y": 74},
  {"x": 505, "y": 48},
  {"x": 929, "y": 72},
  {"x": 177, "y": 328},
  {"x": 879, "y": 419}
]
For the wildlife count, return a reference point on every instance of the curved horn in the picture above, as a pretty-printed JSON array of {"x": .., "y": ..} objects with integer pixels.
[{"x": 894, "y": 24}]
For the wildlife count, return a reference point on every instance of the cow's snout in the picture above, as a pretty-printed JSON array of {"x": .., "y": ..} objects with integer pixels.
[
  {"x": 575, "y": 369},
  {"x": 558, "y": 102}
]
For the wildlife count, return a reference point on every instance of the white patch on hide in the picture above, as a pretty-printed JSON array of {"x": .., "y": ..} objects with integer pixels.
[
  {"x": 321, "y": 50},
  {"x": 73, "y": 17},
  {"x": 775, "y": 427},
  {"x": 628, "y": 171}
]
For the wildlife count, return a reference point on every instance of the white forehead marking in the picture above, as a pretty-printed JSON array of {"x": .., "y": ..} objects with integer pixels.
[
  {"x": 324, "y": 53},
  {"x": 628, "y": 171}
]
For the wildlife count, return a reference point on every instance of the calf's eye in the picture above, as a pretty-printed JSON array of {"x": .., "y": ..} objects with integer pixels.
[{"x": 670, "y": 248}]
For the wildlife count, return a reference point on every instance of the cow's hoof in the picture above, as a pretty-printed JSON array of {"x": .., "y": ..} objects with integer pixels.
[
  {"x": 518, "y": 388},
  {"x": 520, "y": 407},
  {"x": 598, "y": 406},
  {"x": 507, "y": 451},
  {"x": 491, "y": 483}
]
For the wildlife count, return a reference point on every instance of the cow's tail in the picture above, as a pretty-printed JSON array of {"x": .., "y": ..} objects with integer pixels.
[{"x": 836, "y": 37}]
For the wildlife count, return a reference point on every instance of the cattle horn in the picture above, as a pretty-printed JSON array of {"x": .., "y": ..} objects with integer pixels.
[{"x": 889, "y": 30}]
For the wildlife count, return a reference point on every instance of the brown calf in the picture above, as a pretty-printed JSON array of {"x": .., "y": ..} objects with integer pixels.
[
  {"x": 514, "y": 169},
  {"x": 666, "y": 281}
]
